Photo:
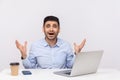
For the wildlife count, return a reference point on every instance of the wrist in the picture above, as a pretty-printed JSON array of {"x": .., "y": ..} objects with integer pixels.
[
  {"x": 75, "y": 53},
  {"x": 23, "y": 57}
]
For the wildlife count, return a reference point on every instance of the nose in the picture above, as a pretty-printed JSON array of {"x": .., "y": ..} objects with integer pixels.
[{"x": 51, "y": 28}]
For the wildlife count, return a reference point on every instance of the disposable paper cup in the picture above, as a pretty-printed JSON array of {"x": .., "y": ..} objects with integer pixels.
[{"x": 14, "y": 68}]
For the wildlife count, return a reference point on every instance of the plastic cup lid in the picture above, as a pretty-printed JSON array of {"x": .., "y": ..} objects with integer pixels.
[{"x": 14, "y": 63}]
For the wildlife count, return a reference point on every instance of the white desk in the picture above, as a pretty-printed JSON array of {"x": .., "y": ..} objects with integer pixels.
[{"x": 47, "y": 74}]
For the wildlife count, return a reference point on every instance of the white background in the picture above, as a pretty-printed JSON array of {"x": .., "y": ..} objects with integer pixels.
[{"x": 96, "y": 20}]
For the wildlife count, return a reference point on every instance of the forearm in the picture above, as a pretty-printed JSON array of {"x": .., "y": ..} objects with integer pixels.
[
  {"x": 70, "y": 61},
  {"x": 28, "y": 64}
]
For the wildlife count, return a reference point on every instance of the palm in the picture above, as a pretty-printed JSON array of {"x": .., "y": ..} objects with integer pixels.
[
  {"x": 78, "y": 48},
  {"x": 22, "y": 48}
]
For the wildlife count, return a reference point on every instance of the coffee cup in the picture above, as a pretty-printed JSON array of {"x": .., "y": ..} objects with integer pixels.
[{"x": 14, "y": 66}]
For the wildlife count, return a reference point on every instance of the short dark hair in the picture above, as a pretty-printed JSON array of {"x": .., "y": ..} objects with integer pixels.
[{"x": 51, "y": 18}]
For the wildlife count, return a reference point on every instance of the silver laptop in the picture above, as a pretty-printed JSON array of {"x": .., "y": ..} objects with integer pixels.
[{"x": 85, "y": 63}]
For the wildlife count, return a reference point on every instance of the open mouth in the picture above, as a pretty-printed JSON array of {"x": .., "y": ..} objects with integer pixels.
[{"x": 51, "y": 33}]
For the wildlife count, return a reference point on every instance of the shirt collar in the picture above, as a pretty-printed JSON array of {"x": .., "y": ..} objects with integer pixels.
[{"x": 45, "y": 44}]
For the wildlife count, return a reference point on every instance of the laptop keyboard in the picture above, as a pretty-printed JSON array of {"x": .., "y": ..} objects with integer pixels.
[{"x": 68, "y": 73}]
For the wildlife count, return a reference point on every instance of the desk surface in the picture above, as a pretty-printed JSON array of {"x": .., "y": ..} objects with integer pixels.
[{"x": 47, "y": 74}]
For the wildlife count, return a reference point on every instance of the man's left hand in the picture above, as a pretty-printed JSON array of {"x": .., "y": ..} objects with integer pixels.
[{"x": 78, "y": 48}]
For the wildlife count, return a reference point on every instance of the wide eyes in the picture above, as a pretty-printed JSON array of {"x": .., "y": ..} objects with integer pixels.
[
  {"x": 54, "y": 26},
  {"x": 48, "y": 26}
]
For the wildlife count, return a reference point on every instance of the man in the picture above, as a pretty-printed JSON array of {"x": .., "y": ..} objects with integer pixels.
[{"x": 51, "y": 51}]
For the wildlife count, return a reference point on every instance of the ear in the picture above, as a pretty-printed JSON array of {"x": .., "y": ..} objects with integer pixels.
[
  {"x": 43, "y": 29},
  {"x": 59, "y": 30}
]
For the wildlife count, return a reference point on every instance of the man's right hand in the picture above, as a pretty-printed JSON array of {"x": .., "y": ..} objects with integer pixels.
[{"x": 22, "y": 48}]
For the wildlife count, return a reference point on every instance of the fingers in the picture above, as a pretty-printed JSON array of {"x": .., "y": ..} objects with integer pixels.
[
  {"x": 25, "y": 46},
  {"x": 83, "y": 43},
  {"x": 25, "y": 43},
  {"x": 17, "y": 43},
  {"x": 84, "y": 40}
]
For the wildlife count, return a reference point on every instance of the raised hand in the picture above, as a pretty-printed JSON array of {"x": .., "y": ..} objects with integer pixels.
[
  {"x": 78, "y": 48},
  {"x": 22, "y": 48}
]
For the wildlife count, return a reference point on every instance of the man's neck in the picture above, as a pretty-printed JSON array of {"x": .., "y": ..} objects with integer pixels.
[{"x": 51, "y": 42}]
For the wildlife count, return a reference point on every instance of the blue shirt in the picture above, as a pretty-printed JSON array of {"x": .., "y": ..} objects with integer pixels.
[{"x": 43, "y": 56}]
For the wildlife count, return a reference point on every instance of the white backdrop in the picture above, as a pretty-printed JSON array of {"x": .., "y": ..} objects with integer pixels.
[{"x": 96, "y": 20}]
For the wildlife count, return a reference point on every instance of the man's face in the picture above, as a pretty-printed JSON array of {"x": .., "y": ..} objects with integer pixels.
[{"x": 51, "y": 30}]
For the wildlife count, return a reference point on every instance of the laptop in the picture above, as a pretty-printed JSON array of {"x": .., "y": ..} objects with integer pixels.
[{"x": 85, "y": 63}]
